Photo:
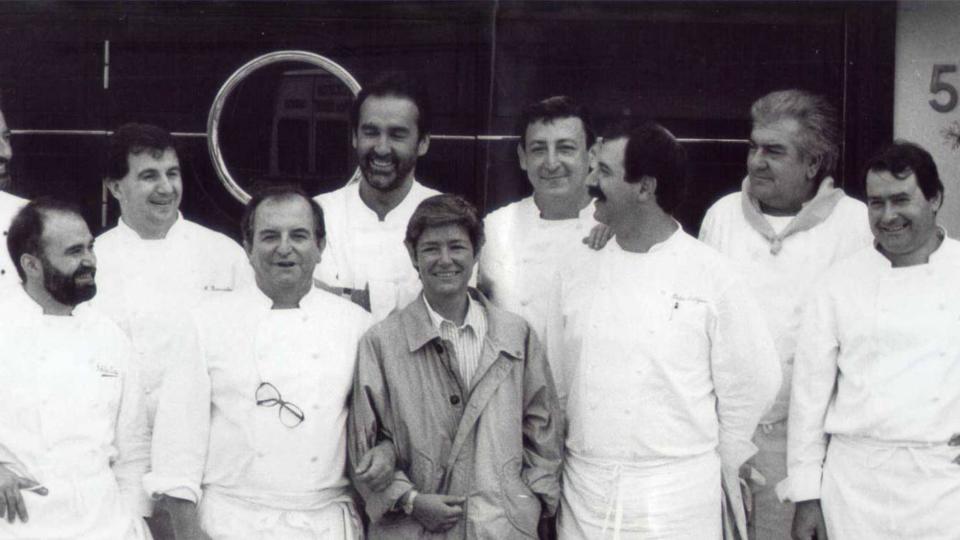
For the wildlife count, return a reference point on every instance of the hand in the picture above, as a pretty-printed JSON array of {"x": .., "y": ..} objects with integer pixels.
[
  {"x": 437, "y": 513},
  {"x": 808, "y": 521},
  {"x": 955, "y": 441},
  {"x": 11, "y": 502},
  {"x": 599, "y": 235},
  {"x": 375, "y": 470}
]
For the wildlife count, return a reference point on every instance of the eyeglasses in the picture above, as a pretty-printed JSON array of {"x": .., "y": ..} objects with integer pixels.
[{"x": 290, "y": 415}]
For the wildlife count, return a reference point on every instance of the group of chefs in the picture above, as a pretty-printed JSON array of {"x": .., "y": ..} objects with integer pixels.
[{"x": 384, "y": 361}]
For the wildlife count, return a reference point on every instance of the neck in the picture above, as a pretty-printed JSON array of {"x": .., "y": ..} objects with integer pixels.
[
  {"x": 150, "y": 231},
  {"x": 41, "y": 296},
  {"x": 556, "y": 208},
  {"x": 382, "y": 202},
  {"x": 452, "y": 307},
  {"x": 285, "y": 297},
  {"x": 790, "y": 209},
  {"x": 644, "y": 230},
  {"x": 917, "y": 256}
]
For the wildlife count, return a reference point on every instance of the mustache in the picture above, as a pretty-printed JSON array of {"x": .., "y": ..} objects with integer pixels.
[
  {"x": 595, "y": 192},
  {"x": 85, "y": 271}
]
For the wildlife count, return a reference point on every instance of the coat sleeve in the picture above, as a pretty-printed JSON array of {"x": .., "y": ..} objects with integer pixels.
[
  {"x": 369, "y": 424},
  {"x": 746, "y": 370},
  {"x": 181, "y": 429},
  {"x": 132, "y": 438},
  {"x": 542, "y": 428},
  {"x": 814, "y": 386}
]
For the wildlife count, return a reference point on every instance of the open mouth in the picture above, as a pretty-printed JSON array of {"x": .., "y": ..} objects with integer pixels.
[
  {"x": 286, "y": 264},
  {"x": 447, "y": 274},
  {"x": 381, "y": 164}
]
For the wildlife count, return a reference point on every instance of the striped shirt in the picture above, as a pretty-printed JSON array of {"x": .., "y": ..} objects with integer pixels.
[{"x": 466, "y": 340}]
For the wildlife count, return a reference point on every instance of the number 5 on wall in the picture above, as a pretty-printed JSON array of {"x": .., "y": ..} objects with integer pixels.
[{"x": 937, "y": 86}]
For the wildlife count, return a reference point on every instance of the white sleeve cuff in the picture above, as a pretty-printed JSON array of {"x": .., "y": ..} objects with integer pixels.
[
  {"x": 173, "y": 487},
  {"x": 801, "y": 485}
]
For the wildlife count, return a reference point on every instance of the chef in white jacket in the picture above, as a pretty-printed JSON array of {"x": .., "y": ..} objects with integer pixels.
[
  {"x": 256, "y": 431},
  {"x": 876, "y": 386},
  {"x": 529, "y": 239},
  {"x": 366, "y": 220},
  {"x": 665, "y": 362},
  {"x": 788, "y": 224},
  {"x": 73, "y": 440},
  {"x": 155, "y": 265}
]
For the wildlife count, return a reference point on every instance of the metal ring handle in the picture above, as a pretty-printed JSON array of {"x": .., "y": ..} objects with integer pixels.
[{"x": 213, "y": 120}]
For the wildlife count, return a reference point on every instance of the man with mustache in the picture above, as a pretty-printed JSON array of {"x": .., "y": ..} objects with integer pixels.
[
  {"x": 73, "y": 438},
  {"x": 265, "y": 401},
  {"x": 665, "y": 359},
  {"x": 365, "y": 258},
  {"x": 786, "y": 226},
  {"x": 528, "y": 239},
  {"x": 155, "y": 265},
  {"x": 875, "y": 407},
  {"x": 9, "y": 204}
]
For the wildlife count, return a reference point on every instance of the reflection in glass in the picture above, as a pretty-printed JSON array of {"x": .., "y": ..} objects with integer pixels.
[{"x": 288, "y": 122}]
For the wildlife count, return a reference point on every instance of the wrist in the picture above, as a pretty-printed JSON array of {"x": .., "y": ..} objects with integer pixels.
[{"x": 406, "y": 502}]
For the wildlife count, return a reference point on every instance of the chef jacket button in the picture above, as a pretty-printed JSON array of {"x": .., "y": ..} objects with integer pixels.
[
  {"x": 454, "y": 399},
  {"x": 313, "y": 459},
  {"x": 259, "y": 454}
]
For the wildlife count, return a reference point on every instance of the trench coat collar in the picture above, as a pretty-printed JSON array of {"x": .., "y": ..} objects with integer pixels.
[{"x": 502, "y": 331}]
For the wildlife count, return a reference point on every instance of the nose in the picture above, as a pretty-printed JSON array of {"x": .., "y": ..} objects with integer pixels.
[
  {"x": 552, "y": 159},
  {"x": 381, "y": 147},
  {"x": 889, "y": 212},
  {"x": 445, "y": 256},
  {"x": 592, "y": 178},
  {"x": 285, "y": 246},
  {"x": 756, "y": 160},
  {"x": 89, "y": 259},
  {"x": 164, "y": 185}
]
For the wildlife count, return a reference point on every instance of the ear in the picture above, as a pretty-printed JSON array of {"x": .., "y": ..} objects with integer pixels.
[
  {"x": 522, "y": 156},
  {"x": 423, "y": 145},
  {"x": 937, "y": 202},
  {"x": 647, "y": 189},
  {"x": 412, "y": 251},
  {"x": 353, "y": 139},
  {"x": 813, "y": 167},
  {"x": 321, "y": 245},
  {"x": 247, "y": 247},
  {"x": 114, "y": 187},
  {"x": 32, "y": 266}
]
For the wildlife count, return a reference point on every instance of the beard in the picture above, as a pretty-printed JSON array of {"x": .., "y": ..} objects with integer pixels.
[
  {"x": 64, "y": 288},
  {"x": 386, "y": 181}
]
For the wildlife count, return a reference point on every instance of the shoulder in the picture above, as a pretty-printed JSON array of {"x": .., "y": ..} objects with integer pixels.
[
  {"x": 725, "y": 207},
  {"x": 336, "y": 194},
  {"x": 421, "y": 191},
  {"x": 341, "y": 310},
  {"x": 209, "y": 236},
  {"x": 855, "y": 267},
  {"x": 108, "y": 238},
  {"x": 848, "y": 207}
]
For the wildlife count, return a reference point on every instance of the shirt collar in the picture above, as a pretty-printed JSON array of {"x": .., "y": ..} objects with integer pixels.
[
  {"x": 128, "y": 233},
  {"x": 472, "y": 319},
  {"x": 264, "y": 302}
]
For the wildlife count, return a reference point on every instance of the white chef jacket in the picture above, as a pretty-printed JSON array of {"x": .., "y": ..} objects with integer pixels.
[
  {"x": 663, "y": 354},
  {"x": 309, "y": 355},
  {"x": 663, "y": 360},
  {"x": 362, "y": 250},
  {"x": 9, "y": 206},
  {"x": 523, "y": 251},
  {"x": 73, "y": 420},
  {"x": 780, "y": 282},
  {"x": 149, "y": 286},
  {"x": 878, "y": 360}
]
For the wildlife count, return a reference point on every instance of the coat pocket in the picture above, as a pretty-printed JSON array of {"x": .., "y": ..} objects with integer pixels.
[{"x": 522, "y": 505}]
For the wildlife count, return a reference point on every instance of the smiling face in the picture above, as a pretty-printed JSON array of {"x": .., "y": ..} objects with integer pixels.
[
  {"x": 284, "y": 250},
  {"x": 388, "y": 142},
  {"x": 781, "y": 176},
  {"x": 445, "y": 258},
  {"x": 556, "y": 157},
  {"x": 6, "y": 153},
  {"x": 902, "y": 219},
  {"x": 150, "y": 193},
  {"x": 67, "y": 259}
]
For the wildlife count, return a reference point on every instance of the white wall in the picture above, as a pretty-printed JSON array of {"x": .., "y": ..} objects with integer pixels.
[{"x": 928, "y": 33}]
